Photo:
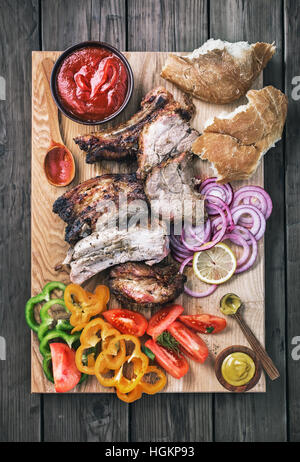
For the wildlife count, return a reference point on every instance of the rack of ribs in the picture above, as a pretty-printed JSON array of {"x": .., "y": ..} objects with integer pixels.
[{"x": 122, "y": 141}]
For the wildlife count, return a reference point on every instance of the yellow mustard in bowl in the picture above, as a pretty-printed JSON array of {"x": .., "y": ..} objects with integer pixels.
[{"x": 238, "y": 369}]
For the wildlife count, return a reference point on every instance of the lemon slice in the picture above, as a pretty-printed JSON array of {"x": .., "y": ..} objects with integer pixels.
[{"x": 215, "y": 265}]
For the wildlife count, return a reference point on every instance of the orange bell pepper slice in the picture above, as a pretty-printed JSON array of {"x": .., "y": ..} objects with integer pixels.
[
  {"x": 158, "y": 385},
  {"x": 139, "y": 360},
  {"x": 84, "y": 305},
  {"x": 145, "y": 387},
  {"x": 132, "y": 396},
  {"x": 94, "y": 332}
]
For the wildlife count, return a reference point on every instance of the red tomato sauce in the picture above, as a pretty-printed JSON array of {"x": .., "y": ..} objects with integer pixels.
[
  {"x": 92, "y": 83},
  {"x": 59, "y": 166}
]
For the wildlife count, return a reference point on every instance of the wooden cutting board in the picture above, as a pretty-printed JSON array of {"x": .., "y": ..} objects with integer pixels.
[{"x": 48, "y": 247}]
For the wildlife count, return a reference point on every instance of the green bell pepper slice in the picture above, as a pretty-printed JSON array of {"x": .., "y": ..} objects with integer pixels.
[
  {"x": 44, "y": 296},
  {"x": 48, "y": 323},
  {"x": 69, "y": 339}
]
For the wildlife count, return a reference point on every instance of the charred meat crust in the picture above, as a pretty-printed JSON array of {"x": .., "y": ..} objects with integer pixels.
[
  {"x": 122, "y": 141},
  {"x": 79, "y": 206},
  {"x": 138, "y": 286}
]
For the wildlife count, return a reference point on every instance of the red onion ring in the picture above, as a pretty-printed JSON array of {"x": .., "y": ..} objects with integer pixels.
[
  {"x": 239, "y": 240},
  {"x": 221, "y": 204},
  {"x": 180, "y": 260},
  {"x": 190, "y": 292},
  {"x": 206, "y": 232},
  {"x": 255, "y": 192},
  {"x": 210, "y": 187},
  {"x": 211, "y": 244},
  {"x": 259, "y": 223},
  {"x": 253, "y": 256}
]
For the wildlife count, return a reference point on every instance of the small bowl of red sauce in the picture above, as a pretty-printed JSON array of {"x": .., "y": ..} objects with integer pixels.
[{"x": 91, "y": 82}]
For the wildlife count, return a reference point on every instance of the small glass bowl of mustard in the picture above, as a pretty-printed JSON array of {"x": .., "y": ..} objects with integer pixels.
[{"x": 237, "y": 368}]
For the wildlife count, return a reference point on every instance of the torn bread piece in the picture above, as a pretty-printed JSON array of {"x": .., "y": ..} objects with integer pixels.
[
  {"x": 218, "y": 72},
  {"x": 234, "y": 143}
]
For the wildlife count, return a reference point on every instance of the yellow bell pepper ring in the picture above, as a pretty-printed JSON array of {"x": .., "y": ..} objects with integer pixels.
[
  {"x": 132, "y": 396},
  {"x": 84, "y": 305},
  {"x": 94, "y": 332},
  {"x": 158, "y": 385}
]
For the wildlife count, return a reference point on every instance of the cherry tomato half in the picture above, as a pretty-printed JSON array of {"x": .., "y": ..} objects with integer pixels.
[
  {"x": 205, "y": 323},
  {"x": 174, "y": 363},
  {"x": 127, "y": 321},
  {"x": 191, "y": 343},
  {"x": 162, "y": 319},
  {"x": 65, "y": 373}
]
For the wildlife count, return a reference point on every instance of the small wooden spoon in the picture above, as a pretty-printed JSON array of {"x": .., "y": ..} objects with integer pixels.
[
  {"x": 257, "y": 347},
  {"x": 259, "y": 350},
  {"x": 57, "y": 150}
]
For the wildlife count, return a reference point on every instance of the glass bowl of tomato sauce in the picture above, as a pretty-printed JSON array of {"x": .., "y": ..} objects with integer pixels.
[{"x": 91, "y": 82}]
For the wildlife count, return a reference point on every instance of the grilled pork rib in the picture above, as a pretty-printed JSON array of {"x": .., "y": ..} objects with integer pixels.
[
  {"x": 83, "y": 206},
  {"x": 137, "y": 285},
  {"x": 112, "y": 246},
  {"x": 170, "y": 188},
  {"x": 122, "y": 141},
  {"x": 166, "y": 136}
]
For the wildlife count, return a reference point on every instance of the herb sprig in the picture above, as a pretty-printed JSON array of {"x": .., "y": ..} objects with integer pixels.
[{"x": 168, "y": 341}]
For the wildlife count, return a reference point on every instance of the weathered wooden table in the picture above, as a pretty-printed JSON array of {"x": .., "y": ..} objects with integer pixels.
[{"x": 147, "y": 25}]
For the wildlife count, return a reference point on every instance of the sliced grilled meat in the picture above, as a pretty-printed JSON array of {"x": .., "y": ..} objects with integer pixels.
[
  {"x": 137, "y": 285},
  {"x": 166, "y": 136},
  {"x": 112, "y": 246},
  {"x": 83, "y": 206},
  {"x": 170, "y": 189},
  {"x": 122, "y": 141}
]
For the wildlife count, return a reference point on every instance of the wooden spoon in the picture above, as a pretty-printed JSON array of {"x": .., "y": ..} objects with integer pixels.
[
  {"x": 57, "y": 152},
  {"x": 257, "y": 347}
]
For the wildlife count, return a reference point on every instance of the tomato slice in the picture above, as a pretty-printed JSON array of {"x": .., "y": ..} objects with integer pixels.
[
  {"x": 192, "y": 344},
  {"x": 127, "y": 321},
  {"x": 65, "y": 373},
  {"x": 161, "y": 320},
  {"x": 205, "y": 323},
  {"x": 174, "y": 363}
]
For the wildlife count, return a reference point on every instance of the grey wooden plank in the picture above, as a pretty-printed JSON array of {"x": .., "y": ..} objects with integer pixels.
[
  {"x": 158, "y": 26},
  {"x": 19, "y": 34},
  {"x": 109, "y": 22},
  {"x": 260, "y": 417},
  {"x": 87, "y": 418},
  {"x": 83, "y": 417},
  {"x": 292, "y": 59},
  {"x": 166, "y": 25},
  {"x": 65, "y": 23}
]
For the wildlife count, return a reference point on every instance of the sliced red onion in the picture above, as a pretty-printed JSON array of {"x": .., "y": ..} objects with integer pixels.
[
  {"x": 258, "y": 193},
  {"x": 253, "y": 256},
  {"x": 207, "y": 181},
  {"x": 180, "y": 260},
  {"x": 194, "y": 246},
  {"x": 206, "y": 233},
  {"x": 220, "y": 203},
  {"x": 211, "y": 188},
  {"x": 222, "y": 231},
  {"x": 176, "y": 243},
  {"x": 192, "y": 293},
  {"x": 239, "y": 240},
  {"x": 259, "y": 223}
]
